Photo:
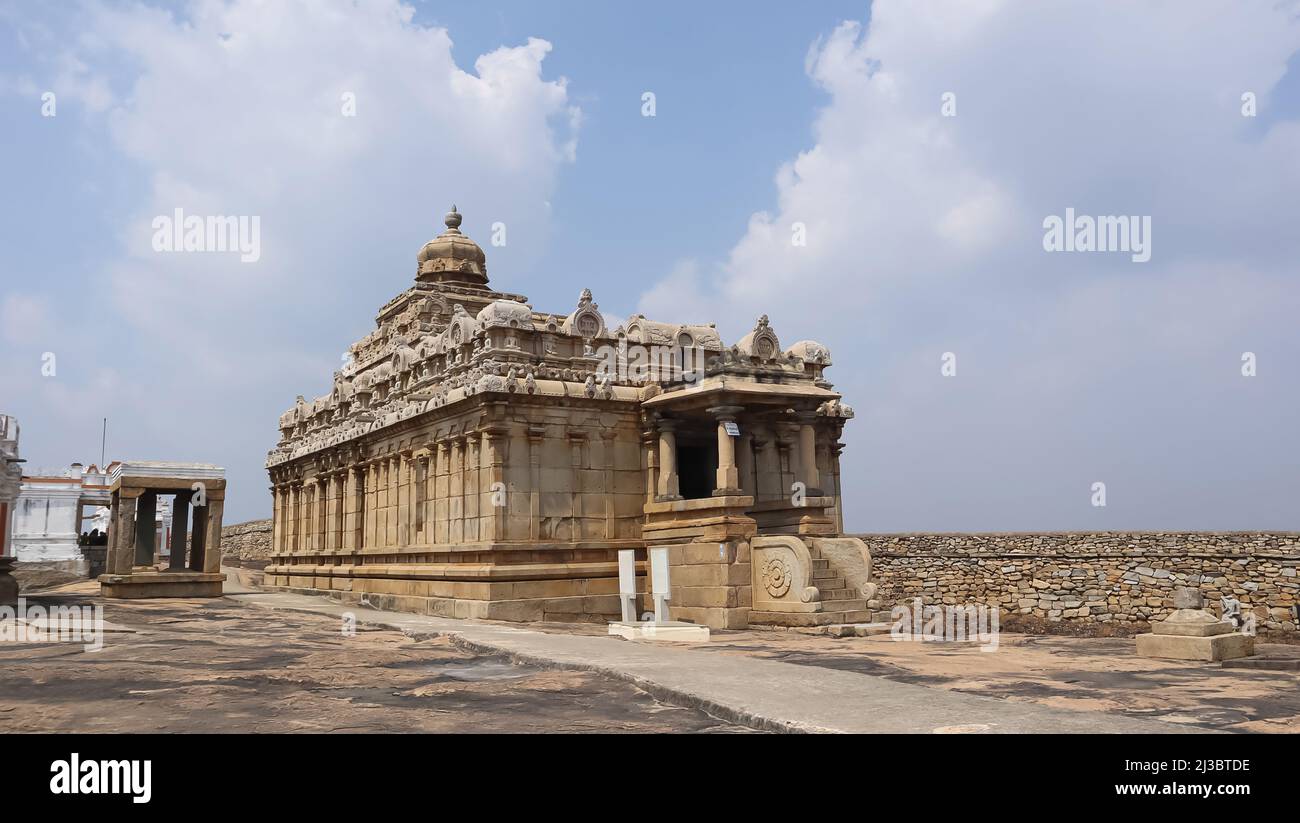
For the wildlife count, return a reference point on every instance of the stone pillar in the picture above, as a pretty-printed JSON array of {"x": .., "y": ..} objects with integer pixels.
[
  {"x": 536, "y": 440},
  {"x": 323, "y": 513},
  {"x": 314, "y": 530},
  {"x": 290, "y": 519},
  {"x": 180, "y": 527},
  {"x": 836, "y": 448},
  {"x": 380, "y": 531},
  {"x": 325, "y": 494},
  {"x": 370, "y": 531},
  {"x": 404, "y": 499},
  {"x": 199, "y": 537},
  {"x": 456, "y": 492},
  {"x": 121, "y": 535},
  {"x": 787, "y": 459},
  {"x": 471, "y": 487},
  {"x": 212, "y": 548},
  {"x": 494, "y": 520},
  {"x": 420, "y": 499},
  {"x": 669, "y": 488},
  {"x": 283, "y": 500},
  {"x": 340, "y": 527},
  {"x": 146, "y": 509},
  {"x": 430, "y": 495},
  {"x": 441, "y": 493},
  {"x": 607, "y": 437},
  {"x": 304, "y": 515},
  {"x": 299, "y": 517},
  {"x": 352, "y": 504},
  {"x": 728, "y": 479},
  {"x": 745, "y": 463},
  {"x": 808, "y": 455},
  {"x": 347, "y": 509},
  {"x": 650, "y": 445},
  {"x": 374, "y": 513},
  {"x": 577, "y": 440},
  {"x": 275, "y": 518},
  {"x": 394, "y": 483}
]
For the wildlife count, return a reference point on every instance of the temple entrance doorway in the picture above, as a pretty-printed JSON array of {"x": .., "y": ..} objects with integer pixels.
[{"x": 696, "y": 467}]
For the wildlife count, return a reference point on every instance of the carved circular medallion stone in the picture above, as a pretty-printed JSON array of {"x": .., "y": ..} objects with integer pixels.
[{"x": 776, "y": 577}]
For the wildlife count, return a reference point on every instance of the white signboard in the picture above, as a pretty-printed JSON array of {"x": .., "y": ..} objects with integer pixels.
[
  {"x": 659, "y": 581},
  {"x": 732, "y": 428},
  {"x": 659, "y": 569},
  {"x": 627, "y": 571}
]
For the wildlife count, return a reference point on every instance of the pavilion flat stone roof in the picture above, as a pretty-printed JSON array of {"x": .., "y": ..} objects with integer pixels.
[
  {"x": 167, "y": 470},
  {"x": 748, "y": 389}
]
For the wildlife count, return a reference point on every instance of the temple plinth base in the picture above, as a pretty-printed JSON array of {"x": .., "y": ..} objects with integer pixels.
[
  {"x": 1211, "y": 648},
  {"x": 160, "y": 584},
  {"x": 1192, "y": 633}
]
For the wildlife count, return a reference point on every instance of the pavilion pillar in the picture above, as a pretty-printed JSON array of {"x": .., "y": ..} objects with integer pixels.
[
  {"x": 728, "y": 480},
  {"x": 836, "y": 448},
  {"x": 787, "y": 460},
  {"x": 745, "y": 463},
  {"x": 650, "y": 445},
  {"x": 808, "y": 454},
  {"x": 669, "y": 487},
  {"x": 121, "y": 535},
  {"x": 276, "y": 511},
  {"x": 286, "y": 505},
  {"x": 146, "y": 529},
  {"x": 212, "y": 545},
  {"x": 180, "y": 527},
  {"x": 199, "y": 537}
]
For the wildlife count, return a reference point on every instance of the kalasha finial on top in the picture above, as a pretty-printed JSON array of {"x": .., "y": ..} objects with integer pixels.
[
  {"x": 453, "y": 218},
  {"x": 451, "y": 256}
]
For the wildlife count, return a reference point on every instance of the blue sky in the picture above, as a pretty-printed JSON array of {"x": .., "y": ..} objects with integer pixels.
[{"x": 924, "y": 231}]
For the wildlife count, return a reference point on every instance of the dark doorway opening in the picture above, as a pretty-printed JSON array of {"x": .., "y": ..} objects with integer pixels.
[{"x": 695, "y": 470}]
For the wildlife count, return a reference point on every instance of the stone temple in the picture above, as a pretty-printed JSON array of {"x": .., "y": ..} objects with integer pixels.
[{"x": 476, "y": 457}]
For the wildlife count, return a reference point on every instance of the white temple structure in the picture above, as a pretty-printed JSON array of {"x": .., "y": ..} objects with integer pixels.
[{"x": 55, "y": 506}]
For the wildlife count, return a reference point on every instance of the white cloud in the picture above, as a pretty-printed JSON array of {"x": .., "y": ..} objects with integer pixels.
[
  {"x": 24, "y": 317},
  {"x": 236, "y": 108},
  {"x": 924, "y": 236}
]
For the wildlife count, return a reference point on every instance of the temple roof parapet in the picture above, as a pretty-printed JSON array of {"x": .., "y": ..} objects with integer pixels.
[{"x": 447, "y": 338}]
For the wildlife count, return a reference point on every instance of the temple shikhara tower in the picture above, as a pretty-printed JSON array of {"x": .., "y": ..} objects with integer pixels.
[{"x": 476, "y": 457}]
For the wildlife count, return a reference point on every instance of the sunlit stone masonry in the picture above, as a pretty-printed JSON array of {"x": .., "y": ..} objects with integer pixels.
[{"x": 476, "y": 457}]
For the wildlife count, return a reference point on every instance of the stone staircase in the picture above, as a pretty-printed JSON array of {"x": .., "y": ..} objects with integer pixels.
[{"x": 840, "y": 605}]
